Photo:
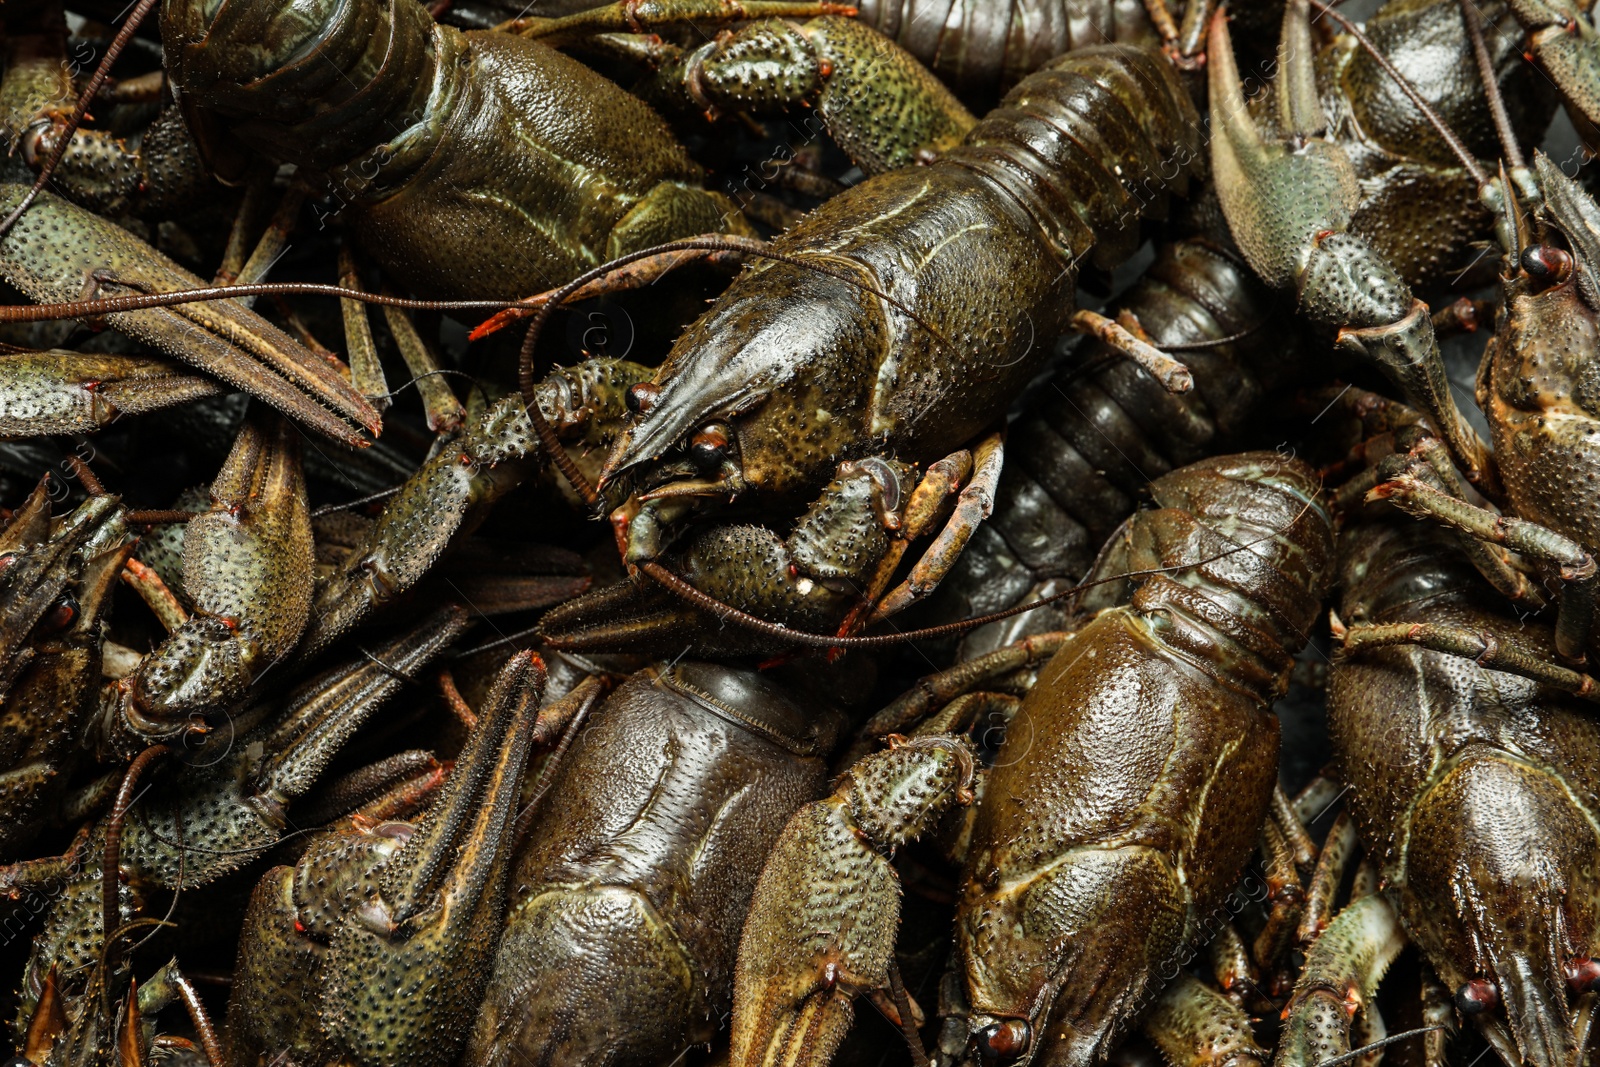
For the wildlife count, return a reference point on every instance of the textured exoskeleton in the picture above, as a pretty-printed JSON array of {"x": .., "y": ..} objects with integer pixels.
[
  {"x": 905, "y": 314},
  {"x": 473, "y": 164},
  {"x": 821, "y": 927},
  {"x": 114, "y": 1023},
  {"x": 824, "y": 576},
  {"x": 1290, "y": 194},
  {"x": 1562, "y": 40},
  {"x": 630, "y": 893},
  {"x": 451, "y": 493},
  {"x": 247, "y": 571},
  {"x": 1419, "y": 208},
  {"x": 483, "y": 165},
  {"x": 155, "y": 174},
  {"x": 981, "y": 48},
  {"x": 1535, "y": 389},
  {"x": 1085, "y": 449},
  {"x": 79, "y": 392},
  {"x": 375, "y": 947},
  {"x": 229, "y": 807},
  {"x": 60, "y": 252},
  {"x": 55, "y": 587},
  {"x": 1122, "y": 805},
  {"x": 1472, "y": 787},
  {"x": 878, "y": 104},
  {"x": 1536, "y": 383},
  {"x": 1338, "y": 983},
  {"x": 1193, "y": 1025}
]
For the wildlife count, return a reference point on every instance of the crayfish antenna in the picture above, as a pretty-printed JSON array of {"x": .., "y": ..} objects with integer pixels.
[
  {"x": 111, "y": 860},
  {"x": 1509, "y": 148},
  {"x": 1468, "y": 162},
  {"x": 80, "y": 110}
]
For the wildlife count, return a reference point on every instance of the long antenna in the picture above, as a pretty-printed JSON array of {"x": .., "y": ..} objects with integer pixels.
[
  {"x": 1357, "y": 1053},
  {"x": 110, "y": 305},
  {"x": 1491, "y": 87},
  {"x": 79, "y": 110}
]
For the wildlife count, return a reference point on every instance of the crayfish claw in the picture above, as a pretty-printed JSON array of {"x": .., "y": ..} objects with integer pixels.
[
  {"x": 1278, "y": 197},
  {"x": 81, "y": 392},
  {"x": 412, "y": 962},
  {"x": 221, "y": 337},
  {"x": 822, "y": 924},
  {"x": 247, "y": 571}
]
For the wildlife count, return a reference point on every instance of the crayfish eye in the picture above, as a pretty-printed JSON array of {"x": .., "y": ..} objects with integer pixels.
[
  {"x": 1003, "y": 1043},
  {"x": 1477, "y": 996},
  {"x": 641, "y": 397},
  {"x": 708, "y": 448},
  {"x": 59, "y": 616},
  {"x": 1583, "y": 975},
  {"x": 1546, "y": 263}
]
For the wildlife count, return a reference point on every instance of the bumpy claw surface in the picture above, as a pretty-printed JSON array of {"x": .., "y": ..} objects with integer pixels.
[
  {"x": 236, "y": 803},
  {"x": 1289, "y": 205},
  {"x": 878, "y": 103},
  {"x": 58, "y": 251},
  {"x": 376, "y": 948},
  {"x": 448, "y": 496},
  {"x": 1341, "y": 974},
  {"x": 829, "y": 573},
  {"x": 822, "y": 924},
  {"x": 451, "y": 493},
  {"x": 1278, "y": 198},
  {"x": 1195, "y": 1026},
  {"x": 81, "y": 392},
  {"x": 247, "y": 572}
]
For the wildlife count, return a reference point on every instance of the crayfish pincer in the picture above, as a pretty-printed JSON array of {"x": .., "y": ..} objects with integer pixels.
[
  {"x": 1121, "y": 807},
  {"x": 247, "y": 568},
  {"x": 896, "y": 324},
  {"x": 374, "y": 948}
]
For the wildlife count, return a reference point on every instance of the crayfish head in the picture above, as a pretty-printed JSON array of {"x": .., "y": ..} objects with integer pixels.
[
  {"x": 1573, "y": 214},
  {"x": 1500, "y": 891},
  {"x": 693, "y": 469},
  {"x": 1057, "y": 962}
]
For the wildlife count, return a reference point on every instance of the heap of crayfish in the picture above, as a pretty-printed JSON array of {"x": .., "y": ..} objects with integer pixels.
[{"x": 1057, "y": 592}]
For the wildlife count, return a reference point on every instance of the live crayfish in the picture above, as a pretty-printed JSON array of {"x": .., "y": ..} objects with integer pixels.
[
  {"x": 436, "y": 923},
  {"x": 751, "y": 403},
  {"x": 1082, "y": 881},
  {"x": 1471, "y": 783}
]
